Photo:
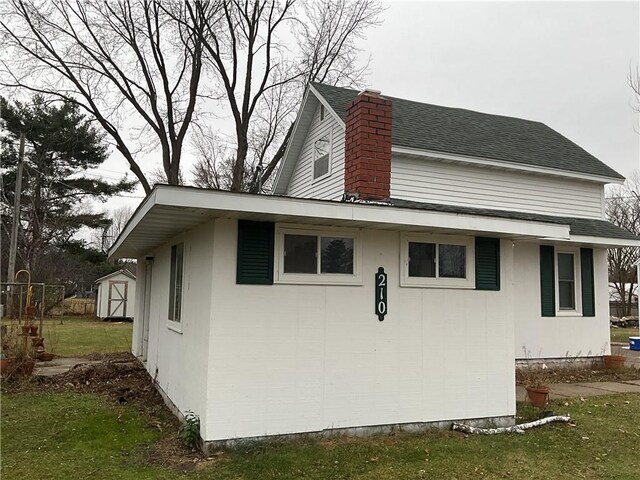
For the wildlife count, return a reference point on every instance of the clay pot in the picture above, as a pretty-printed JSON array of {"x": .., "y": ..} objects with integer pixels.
[
  {"x": 25, "y": 329},
  {"x": 538, "y": 396},
  {"x": 33, "y": 330},
  {"x": 37, "y": 342},
  {"x": 30, "y": 310},
  {"x": 46, "y": 357},
  {"x": 613, "y": 361},
  {"x": 6, "y": 365}
]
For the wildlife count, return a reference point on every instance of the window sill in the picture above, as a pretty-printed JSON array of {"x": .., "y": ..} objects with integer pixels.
[
  {"x": 439, "y": 286},
  {"x": 174, "y": 326},
  {"x": 569, "y": 313},
  {"x": 318, "y": 280},
  {"x": 441, "y": 282},
  {"x": 321, "y": 178}
]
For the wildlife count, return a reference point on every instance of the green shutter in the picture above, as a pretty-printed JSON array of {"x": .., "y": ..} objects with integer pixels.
[
  {"x": 588, "y": 291},
  {"x": 547, "y": 281},
  {"x": 255, "y": 253},
  {"x": 487, "y": 263}
]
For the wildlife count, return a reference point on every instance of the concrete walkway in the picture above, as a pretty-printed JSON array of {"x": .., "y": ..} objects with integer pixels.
[
  {"x": 60, "y": 365},
  {"x": 559, "y": 391}
]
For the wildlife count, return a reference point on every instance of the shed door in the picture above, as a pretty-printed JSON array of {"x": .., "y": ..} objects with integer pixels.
[{"x": 117, "y": 298}]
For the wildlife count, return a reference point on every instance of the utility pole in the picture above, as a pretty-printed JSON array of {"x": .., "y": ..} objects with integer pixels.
[{"x": 13, "y": 246}]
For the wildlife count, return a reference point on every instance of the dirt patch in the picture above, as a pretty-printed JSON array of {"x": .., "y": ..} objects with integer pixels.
[
  {"x": 121, "y": 378},
  {"x": 171, "y": 452}
]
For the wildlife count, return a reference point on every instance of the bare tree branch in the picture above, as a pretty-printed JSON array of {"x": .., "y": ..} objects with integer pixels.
[
  {"x": 137, "y": 62},
  {"x": 263, "y": 80}
]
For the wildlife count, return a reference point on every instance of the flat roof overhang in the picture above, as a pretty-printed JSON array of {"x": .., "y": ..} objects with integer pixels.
[{"x": 169, "y": 210}]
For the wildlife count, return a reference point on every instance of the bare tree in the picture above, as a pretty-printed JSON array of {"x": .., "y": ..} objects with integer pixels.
[
  {"x": 634, "y": 83},
  {"x": 117, "y": 220},
  {"x": 623, "y": 209},
  {"x": 214, "y": 166},
  {"x": 263, "y": 77},
  {"x": 137, "y": 62}
]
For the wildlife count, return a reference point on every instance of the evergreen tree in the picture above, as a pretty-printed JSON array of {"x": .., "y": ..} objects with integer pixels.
[{"x": 61, "y": 145}]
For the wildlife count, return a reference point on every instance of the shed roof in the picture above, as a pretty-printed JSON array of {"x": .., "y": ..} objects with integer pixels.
[
  {"x": 458, "y": 131},
  {"x": 122, "y": 271}
]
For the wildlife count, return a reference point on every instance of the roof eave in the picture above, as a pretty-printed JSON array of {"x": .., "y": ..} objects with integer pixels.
[{"x": 192, "y": 206}]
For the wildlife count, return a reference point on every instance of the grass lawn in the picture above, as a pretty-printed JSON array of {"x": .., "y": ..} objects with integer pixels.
[
  {"x": 623, "y": 334},
  {"x": 68, "y": 436},
  {"x": 80, "y": 336}
]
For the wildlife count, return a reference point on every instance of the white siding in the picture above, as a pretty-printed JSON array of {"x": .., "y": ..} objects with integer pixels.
[
  {"x": 178, "y": 361},
  {"x": 332, "y": 186},
  {"x": 434, "y": 181},
  {"x": 557, "y": 337},
  {"x": 298, "y": 358}
]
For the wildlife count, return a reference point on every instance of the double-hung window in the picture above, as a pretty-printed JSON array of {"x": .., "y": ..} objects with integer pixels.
[
  {"x": 175, "y": 282},
  {"x": 437, "y": 261},
  {"x": 318, "y": 256},
  {"x": 567, "y": 282},
  {"x": 322, "y": 157}
]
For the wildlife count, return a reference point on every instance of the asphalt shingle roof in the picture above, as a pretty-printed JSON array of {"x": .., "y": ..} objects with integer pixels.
[
  {"x": 578, "y": 226},
  {"x": 465, "y": 132}
]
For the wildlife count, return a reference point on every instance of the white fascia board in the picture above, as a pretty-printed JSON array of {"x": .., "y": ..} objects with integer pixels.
[
  {"x": 601, "y": 241},
  {"x": 327, "y": 106},
  {"x": 357, "y": 212},
  {"x": 135, "y": 219},
  {"x": 503, "y": 164}
]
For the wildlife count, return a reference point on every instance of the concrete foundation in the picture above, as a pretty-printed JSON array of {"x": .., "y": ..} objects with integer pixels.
[{"x": 365, "y": 431}]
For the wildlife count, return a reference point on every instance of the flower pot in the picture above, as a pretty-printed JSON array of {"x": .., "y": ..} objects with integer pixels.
[
  {"x": 6, "y": 365},
  {"x": 538, "y": 396},
  {"x": 46, "y": 357},
  {"x": 613, "y": 361},
  {"x": 33, "y": 330},
  {"x": 30, "y": 310},
  {"x": 25, "y": 329}
]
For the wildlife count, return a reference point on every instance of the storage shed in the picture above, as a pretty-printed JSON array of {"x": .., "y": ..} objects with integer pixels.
[{"x": 116, "y": 295}]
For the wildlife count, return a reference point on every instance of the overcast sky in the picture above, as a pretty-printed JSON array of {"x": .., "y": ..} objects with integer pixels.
[{"x": 562, "y": 63}]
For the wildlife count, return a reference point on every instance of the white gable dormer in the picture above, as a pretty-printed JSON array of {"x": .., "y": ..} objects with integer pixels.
[{"x": 313, "y": 166}]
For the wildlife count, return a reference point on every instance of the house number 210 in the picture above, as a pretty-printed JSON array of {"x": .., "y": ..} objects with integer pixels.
[{"x": 381, "y": 294}]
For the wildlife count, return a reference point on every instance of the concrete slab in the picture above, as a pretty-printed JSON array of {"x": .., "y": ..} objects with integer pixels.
[
  {"x": 613, "y": 387},
  {"x": 60, "y": 365},
  {"x": 566, "y": 390}
]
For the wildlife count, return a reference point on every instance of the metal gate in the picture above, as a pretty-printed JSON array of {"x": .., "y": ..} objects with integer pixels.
[{"x": 117, "y": 302}]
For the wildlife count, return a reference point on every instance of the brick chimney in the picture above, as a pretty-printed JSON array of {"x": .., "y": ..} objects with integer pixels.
[{"x": 367, "y": 172}]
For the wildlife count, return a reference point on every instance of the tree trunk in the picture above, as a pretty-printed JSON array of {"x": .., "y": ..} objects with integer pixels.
[{"x": 241, "y": 158}]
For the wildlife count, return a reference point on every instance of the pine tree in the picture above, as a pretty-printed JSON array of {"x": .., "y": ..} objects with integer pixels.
[{"x": 61, "y": 146}]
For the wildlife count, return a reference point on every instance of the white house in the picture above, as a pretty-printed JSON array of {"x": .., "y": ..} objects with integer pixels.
[
  {"x": 116, "y": 295},
  {"x": 408, "y": 255}
]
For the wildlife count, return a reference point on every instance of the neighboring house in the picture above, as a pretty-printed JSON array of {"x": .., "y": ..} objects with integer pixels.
[
  {"x": 116, "y": 295},
  {"x": 409, "y": 254}
]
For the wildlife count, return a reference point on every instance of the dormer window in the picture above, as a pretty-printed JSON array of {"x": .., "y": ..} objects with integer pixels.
[{"x": 321, "y": 157}]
